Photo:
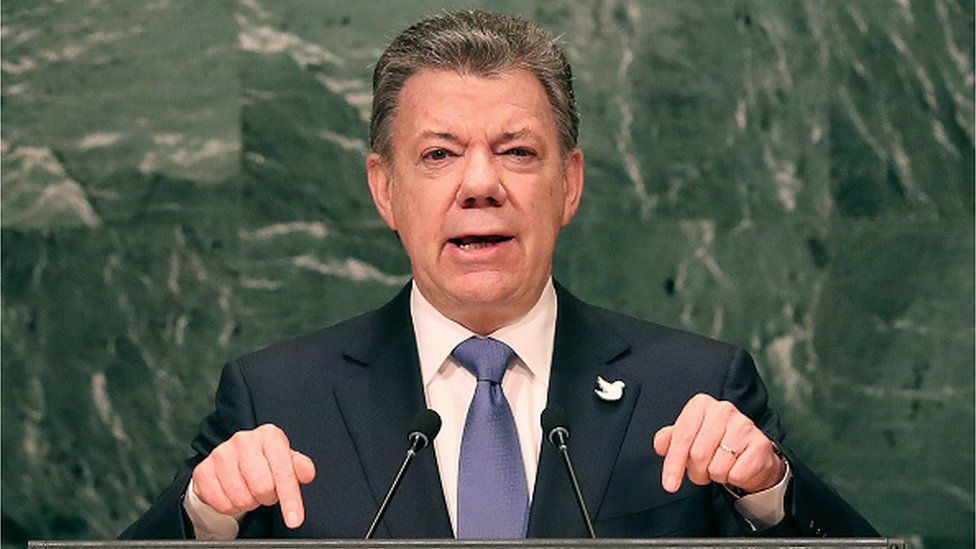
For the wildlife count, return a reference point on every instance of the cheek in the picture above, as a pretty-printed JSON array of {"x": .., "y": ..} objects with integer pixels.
[
  {"x": 544, "y": 228},
  {"x": 417, "y": 219},
  {"x": 551, "y": 209}
]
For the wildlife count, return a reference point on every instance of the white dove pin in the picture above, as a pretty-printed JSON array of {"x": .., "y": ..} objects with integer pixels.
[{"x": 610, "y": 392}]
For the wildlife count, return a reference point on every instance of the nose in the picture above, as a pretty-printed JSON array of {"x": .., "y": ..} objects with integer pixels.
[{"x": 481, "y": 184}]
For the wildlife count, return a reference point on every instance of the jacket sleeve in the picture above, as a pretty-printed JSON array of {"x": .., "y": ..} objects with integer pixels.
[
  {"x": 813, "y": 509},
  {"x": 233, "y": 412}
]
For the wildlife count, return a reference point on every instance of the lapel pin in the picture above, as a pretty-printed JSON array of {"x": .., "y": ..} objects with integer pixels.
[{"x": 610, "y": 392}]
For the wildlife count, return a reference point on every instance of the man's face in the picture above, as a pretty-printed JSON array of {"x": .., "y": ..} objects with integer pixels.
[{"x": 477, "y": 190}]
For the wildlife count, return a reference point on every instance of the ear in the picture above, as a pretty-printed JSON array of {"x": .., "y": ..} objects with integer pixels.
[
  {"x": 380, "y": 178},
  {"x": 573, "y": 180}
]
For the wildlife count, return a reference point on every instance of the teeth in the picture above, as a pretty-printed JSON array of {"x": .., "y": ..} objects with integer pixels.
[{"x": 476, "y": 245}]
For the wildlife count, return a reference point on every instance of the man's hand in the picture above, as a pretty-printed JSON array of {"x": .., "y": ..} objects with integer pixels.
[
  {"x": 714, "y": 442},
  {"x": 252, "y": 468}
]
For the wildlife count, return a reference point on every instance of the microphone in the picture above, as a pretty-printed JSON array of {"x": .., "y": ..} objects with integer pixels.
[
  {"x": 555, "y": 426},
  {"x": 423, "y": 428}
]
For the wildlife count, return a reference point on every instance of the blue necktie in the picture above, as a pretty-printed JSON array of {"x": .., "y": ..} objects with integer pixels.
[{"x": 493, "y": 498}]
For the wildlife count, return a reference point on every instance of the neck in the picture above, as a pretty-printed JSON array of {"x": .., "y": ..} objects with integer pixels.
[
  {"x": 484, "y": 325},
  {"x": 484, "y": 318}
]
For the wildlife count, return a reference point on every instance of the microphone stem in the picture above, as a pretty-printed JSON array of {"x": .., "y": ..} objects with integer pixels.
[
  {"x": 576, "y": 489},
  {"x": 414, "y": 442}
]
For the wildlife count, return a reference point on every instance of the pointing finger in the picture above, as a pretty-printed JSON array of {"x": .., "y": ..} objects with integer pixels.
[
  {"x": 286, "y": 485},
  {"x": 682, "y": 436}
]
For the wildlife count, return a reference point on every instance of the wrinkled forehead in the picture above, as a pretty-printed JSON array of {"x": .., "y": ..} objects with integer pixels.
[{"x": 471, "y": 105}]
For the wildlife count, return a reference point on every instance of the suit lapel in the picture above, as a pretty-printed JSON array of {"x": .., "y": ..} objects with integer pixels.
[
  {"x": 584, "y": 349},
  {"x": 379, "y": 399},
  {"x": 377, "y": 403}
]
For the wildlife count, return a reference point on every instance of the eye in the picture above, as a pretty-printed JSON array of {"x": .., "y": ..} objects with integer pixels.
[
  {"x": 520, "y": 152},
  {"x": 437, "y": 155}
]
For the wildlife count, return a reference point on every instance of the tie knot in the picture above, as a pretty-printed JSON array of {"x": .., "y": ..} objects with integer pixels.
[{"x": 486, "y": 358}]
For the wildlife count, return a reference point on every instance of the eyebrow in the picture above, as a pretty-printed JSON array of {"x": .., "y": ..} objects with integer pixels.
[
  {"x": 447, "y": 136},
  {"x": 506, "y": 137},
  {"x": 512, "y": 136}
]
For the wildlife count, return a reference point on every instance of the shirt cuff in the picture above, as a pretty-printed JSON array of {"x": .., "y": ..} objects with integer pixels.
[
  {"x": 208, "y": 523},
  {"x": 764, "y": 509}
]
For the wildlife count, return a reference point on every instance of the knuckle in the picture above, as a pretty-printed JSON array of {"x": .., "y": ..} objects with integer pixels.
[
  {"x": 727, "y": 408},
  {"x": 705, "y": 397},
  {"x": 700, "y": 479},
  {"x": 737, "y": 478},
  {"x": 698, "y": 454},
  {"x": 201, "y": 484},
  {"x": 274, "y": 435},
  {"x": 221, "y": 506},
  {"x": 219, "y": 455},
  {"x": 741, "y": 427},
  {"x": 736, "y": 432},
  {"x": 743, "y": 474},
  {"x": 746, "y": 421},
  {"x": 283, "y": 472},
  {"x": 212, "y": 496},
  {"x": 203, "y": 469},
  {"x": 241, "y": 438},
  {"x": 714, "y": 470},
  {"x": 270, "y": 428},
  {"x": 752, "y": 468},
  {"x": 263, "y": 496},
  {"x": 267, "y": 430},
  {"x": 241, "y": 499},
  {"x": 238, "y": 503},
  {"x": 237, "y": 442},
  {"x": 262, "y": 487},
  {"x": 719, "y": 476},
  {"x": 683, "y": 438},
  {"x": 266, "y": 499}
]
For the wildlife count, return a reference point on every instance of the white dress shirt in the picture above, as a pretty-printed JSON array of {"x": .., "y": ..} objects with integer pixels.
[{"x": 448, "y": 389}]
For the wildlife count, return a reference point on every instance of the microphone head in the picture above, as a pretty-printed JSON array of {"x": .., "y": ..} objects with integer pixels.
[
  {"x": 425, "y": 426},
  {"x": 555, "y": 422}
]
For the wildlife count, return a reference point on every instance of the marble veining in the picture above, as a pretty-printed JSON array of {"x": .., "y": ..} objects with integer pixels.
[{"x": 184, "y": 182}]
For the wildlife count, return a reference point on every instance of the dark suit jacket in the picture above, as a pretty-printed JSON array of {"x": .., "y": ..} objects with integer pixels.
[{"x": 345, "y": 396}]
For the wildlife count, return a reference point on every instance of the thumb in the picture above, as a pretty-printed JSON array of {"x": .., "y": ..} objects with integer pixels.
[
  {"x": 304, "y": 467},
  {"x": 662, "y": 440}
]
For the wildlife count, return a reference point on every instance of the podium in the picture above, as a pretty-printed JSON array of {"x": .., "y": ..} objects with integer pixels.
[{"x": 794, "y": 543}]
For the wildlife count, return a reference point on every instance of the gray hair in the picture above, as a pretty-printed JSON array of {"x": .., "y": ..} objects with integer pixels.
[{"x": 479, "y": 43}]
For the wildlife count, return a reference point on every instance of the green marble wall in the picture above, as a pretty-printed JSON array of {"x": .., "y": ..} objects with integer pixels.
[{"x": 183, "y": 181}]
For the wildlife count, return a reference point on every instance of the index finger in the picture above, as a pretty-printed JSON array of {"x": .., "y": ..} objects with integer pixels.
[
  {"x": 278, "y": 453},
  {"x": 682, "y": 437}
]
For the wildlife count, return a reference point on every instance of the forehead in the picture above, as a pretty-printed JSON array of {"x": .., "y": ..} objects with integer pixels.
[{"x": 439, "y": 100}]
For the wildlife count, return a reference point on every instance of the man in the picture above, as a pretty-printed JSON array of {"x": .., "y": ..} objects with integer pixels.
[{"x": 475, "y": 165}]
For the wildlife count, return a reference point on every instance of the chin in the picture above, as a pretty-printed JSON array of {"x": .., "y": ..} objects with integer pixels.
[{"x": 488, "y": 288}]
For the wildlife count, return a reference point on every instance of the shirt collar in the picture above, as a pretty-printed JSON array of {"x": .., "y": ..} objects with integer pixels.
[{"x": 531, "y": 337}]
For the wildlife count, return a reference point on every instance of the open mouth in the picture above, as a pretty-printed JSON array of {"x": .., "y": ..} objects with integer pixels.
[{"x": 479, "y": 242}]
